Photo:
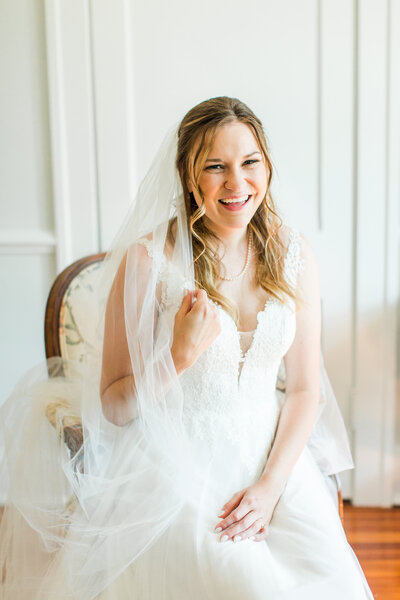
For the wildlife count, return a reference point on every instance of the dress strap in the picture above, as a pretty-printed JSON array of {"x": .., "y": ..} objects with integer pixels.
[
  {"x": 172, "y": 284},
  {"x": 294, "y": 262},
  {"x": 158, "y": 256}
]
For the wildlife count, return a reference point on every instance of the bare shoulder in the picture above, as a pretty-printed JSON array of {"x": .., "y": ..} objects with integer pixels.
[
  {"x": 143, "y": 247},
  {"x": 147, "y": 247}
]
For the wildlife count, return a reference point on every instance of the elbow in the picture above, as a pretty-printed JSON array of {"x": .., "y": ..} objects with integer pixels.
[
  {"x": 117, "y": 408},
  {"x": 108, "y": 410}
]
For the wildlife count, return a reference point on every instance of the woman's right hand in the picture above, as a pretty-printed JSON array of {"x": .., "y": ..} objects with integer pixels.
[{"x": 196, "y": 327}]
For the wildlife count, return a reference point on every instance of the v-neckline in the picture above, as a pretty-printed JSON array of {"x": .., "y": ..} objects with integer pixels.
[{"x": 270, "y": 300}]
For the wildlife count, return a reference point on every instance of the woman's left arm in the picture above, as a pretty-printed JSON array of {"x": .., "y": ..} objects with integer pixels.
[
  {"x": 302, "y": 387},
  {"x": 249, "y": 511}
]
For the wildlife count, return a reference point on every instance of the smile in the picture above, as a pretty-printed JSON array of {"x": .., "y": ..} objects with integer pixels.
[{"x": 233, "y": 203}]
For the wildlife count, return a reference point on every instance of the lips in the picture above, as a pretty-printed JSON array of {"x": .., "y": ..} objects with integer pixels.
[{"x": 235, "y": 202}]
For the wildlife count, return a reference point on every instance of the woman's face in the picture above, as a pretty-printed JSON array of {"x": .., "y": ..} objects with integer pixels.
[{"x": 234, "y": 178}]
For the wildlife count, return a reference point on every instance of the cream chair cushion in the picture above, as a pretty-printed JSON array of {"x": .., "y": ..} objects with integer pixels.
[{"x": 78, "y": 319}]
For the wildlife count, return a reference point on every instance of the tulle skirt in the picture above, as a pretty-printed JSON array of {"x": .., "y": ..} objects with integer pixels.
[
  {"x": 305, "y": 557},
  {"x": 55, "y": 547}
]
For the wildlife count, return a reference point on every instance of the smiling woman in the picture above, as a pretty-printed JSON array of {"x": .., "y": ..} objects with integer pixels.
[
  {"x": 226, "y": 177},
  {"x": 195, "y": 480}
]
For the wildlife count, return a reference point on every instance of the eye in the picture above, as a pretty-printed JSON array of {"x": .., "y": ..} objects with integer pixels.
[
  {"x": 251, "y": 161},
  {"x": 216, "y": 167}
]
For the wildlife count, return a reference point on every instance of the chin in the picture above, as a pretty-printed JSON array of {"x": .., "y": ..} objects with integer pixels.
[{"x": 239, "y": 224}]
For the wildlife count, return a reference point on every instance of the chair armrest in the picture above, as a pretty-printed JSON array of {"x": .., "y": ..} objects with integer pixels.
[{"x": 67, "y": 423}]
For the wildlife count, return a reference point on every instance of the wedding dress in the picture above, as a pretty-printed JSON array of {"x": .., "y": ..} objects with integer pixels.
[
  {"x": 131, "y": 515},
  {"x": 231, "y": 411}
]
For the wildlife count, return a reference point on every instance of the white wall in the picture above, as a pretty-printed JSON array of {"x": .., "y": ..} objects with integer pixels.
[
  {"x": 26, "y": 205},
  {"x": 322, "y": 76},
  {"x": 377, "y": 246}
]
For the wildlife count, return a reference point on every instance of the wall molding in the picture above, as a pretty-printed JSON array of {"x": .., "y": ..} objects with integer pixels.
[
  {"x": 377, "y": 250},
  {"x": 72, "y": 122},
  {"x": 27, "y": 242},
  {"x": 333, "y": 215},
  {"x": 390, "y": 481},
  {"x": 113, "y": 80},
  {"x": 92, "y": 122}
]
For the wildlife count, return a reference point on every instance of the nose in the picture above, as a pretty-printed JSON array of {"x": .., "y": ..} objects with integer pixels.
[{"x": 234, "y": 179}]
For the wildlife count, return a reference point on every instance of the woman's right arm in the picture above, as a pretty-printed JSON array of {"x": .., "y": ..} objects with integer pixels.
[
  {"x": 118, "y": 401},
  {"x": 117, "y": 386},
  {"x": 195, "y": 327}
]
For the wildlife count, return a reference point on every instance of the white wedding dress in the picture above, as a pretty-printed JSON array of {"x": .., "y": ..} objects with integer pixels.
[
  {"x": 231, "y": 410},
  {"x": 145, "y": 500}
]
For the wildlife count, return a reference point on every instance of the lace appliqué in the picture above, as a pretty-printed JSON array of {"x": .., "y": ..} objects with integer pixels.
[
  {"x": 215, "y": 412},
  {"x": 172, "y": 281},
  {"x": 294, "y": 262},
  {"x": 148, "y": 244}
]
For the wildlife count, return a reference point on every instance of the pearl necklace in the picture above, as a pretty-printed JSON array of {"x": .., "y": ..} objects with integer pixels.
[{"x": 248, "y": 255}]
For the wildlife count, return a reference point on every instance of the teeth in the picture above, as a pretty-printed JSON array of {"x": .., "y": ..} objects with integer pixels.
[{"x": 236, "y": 200}]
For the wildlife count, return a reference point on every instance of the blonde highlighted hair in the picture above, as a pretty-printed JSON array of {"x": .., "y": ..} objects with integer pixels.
[{"x": 199, "y": 128}]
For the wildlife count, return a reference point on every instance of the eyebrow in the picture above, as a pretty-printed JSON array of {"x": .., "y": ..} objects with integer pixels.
[{"x": 220, "y": 159}]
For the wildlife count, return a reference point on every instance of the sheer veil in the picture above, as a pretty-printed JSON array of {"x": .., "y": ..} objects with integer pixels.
[{"x": 74, "y": 523}]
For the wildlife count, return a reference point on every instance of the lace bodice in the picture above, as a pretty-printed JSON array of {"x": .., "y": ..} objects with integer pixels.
[
  {"x": 230, "y": 390},
  {"x": 245, "y": 341}
]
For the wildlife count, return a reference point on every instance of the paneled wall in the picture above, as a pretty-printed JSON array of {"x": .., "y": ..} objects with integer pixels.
[
  {"x": 27, "y": 238},
  {"x": 323, "y": 75},
  {"x": 377, "y": 187}
]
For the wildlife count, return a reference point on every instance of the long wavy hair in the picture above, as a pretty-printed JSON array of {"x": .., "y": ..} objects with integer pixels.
[{"x": 202, "y": 123}]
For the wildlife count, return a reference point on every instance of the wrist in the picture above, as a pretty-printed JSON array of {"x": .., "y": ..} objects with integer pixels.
[
  {"x": 179, "y": 360},
  {"x": 273, "y": 481}
]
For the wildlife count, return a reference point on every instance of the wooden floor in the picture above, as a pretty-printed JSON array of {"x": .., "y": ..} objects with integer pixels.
[{"x": 374, "y": 534}]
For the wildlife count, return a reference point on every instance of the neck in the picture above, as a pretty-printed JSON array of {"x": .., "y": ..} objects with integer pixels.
[{"x": 233, "y": 240}]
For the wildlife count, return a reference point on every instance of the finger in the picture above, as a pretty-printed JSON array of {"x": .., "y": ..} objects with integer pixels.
[
  {"x": 247, "y": 527},
  {"x": 186, "y": 303},
  {"x": 202, "y": 307},
  {"x": 200, "y": 294},
  {"x": 234, "y": 517},
  {"x": 261, "y": 535},
  {"x": 201, "y": 298},
  {"x": 231, "y": 504}
]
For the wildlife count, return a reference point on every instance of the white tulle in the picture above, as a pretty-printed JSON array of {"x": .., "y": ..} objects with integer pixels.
[{"x": 131, "y": 514}]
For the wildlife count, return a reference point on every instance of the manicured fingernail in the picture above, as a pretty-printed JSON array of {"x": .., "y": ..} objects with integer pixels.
[
  {"x": 237, "y": 538},
  {"x": 218, "y": 529},
  {"x": 224, "y": 538}
]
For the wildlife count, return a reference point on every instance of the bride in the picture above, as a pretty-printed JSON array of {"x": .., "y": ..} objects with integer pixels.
[{"x": 197, "y": 478}]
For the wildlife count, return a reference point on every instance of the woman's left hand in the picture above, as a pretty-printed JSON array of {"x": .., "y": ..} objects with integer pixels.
[{"x": 248, "y": 513}]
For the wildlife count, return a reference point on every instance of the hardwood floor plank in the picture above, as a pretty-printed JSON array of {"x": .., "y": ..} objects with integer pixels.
[{"x": 374, "y": 535}]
